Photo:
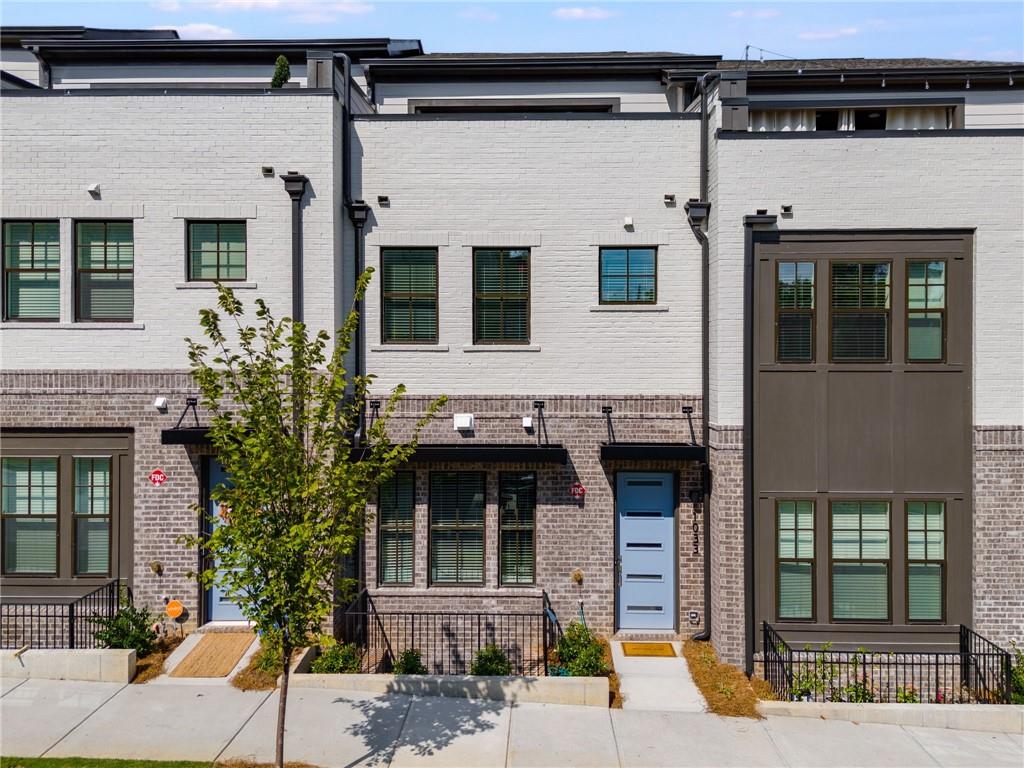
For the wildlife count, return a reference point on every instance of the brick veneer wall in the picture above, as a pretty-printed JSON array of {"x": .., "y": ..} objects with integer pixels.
[
  {"x": 570, "y": 534},
  {"x": 999, "y": 533},
  {"x": 727, "y": 582}
]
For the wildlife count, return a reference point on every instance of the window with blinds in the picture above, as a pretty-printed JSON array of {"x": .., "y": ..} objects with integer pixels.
[
  {"x": 216, "y": 250},
  {"x": 926, "y": 311},
  {"x": 860, "y": 302},
  {"x": 860, "y": 560},
  {"x": 794, "y": 312},
  {"x": 795, "y": 527},
  {"x": 517, "y": 507},
  {"x": 92, "y": 515},
  {"x": 396, "y": 510},
  {"x": 628, "y": 276},
  {"x": 926, "y": 560},
  {"x": 29, "y": 515},
  {"x": 501, "y": 296},
  {"x": 409, "y": 295},
  {"x": 31, "y": 270},
  {"x": 457, "y": 527},
  {"x": 104, "y": 277}
]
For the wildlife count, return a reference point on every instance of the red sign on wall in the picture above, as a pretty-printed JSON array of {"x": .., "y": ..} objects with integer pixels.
[
  {"x": 158, "y": 477},
  {"x": 577, "y": 491}
]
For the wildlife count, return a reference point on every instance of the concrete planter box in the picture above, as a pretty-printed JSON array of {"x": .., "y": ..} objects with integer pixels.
[
  {"x": 998, "y": 718},
  {"x": 585, "y": 691},
  {"x": 100, "y": 665}
]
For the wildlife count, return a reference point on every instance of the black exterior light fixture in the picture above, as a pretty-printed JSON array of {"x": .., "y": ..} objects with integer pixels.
[{"x": 358, "y": 213}]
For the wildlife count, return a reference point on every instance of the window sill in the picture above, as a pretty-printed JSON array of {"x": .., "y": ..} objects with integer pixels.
[
  {"x": 209, "y": 286},
  {"x": 408, "y": 347},
  {"x": 629, "y": 308},
  {"x": 83, "y": 326},
  {"x": 501, "y": 348}
]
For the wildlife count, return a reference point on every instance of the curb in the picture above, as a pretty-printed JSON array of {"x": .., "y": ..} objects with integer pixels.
[{"x": 993, "y": 718}]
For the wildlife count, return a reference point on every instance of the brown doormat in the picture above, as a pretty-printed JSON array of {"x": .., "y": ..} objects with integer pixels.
[
  {"x": 648, "y": 649},
  {"x": 215, "y": 655}
]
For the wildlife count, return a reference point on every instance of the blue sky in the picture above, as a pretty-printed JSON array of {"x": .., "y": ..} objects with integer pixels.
[{"x": 993, "y": 31}]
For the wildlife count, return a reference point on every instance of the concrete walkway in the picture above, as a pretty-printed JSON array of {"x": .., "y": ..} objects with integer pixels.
[
  {"x": 336, "y": 728},
  {"x": 658, "y": 683}
]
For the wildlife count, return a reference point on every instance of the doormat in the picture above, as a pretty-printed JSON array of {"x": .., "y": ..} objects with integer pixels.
[
  {"x": 215, "y": 655},
  {"x": 648, "y": 649}
]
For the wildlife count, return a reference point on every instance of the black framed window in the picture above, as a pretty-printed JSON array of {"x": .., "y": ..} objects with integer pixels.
[
  {"x": 31, "y": 270},
  {"x": 457, "y": 527},
  {"x": 860, "y": 304},
  {"x": 926, "y": 560},
  {"x": 216, "y": 250},
  {"x": 794, "y": 312},
  {"x": 409, "y": 295},
  {"x": 396, "y": 510},
  {"x": 795, "y": 559},
  {"x": 501, "y": 296},
  {"x": 92, "y": 515},
  {"x": 860, "y": 560},
  {"x": 628, "y": 276},
  {"x": 30, "y": 515},
  {"x": 517, "y": 509},
  {"x": 926, "y": 311},
  {"x": 104, "y": 270}
]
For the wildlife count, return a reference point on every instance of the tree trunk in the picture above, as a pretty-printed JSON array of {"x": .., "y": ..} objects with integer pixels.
[{"x": 282, "y": 702}]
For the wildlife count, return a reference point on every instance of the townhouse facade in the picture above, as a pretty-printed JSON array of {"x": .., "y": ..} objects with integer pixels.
[{"x": 735, "y": 342}]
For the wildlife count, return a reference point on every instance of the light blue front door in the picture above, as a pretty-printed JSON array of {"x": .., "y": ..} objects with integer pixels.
[
  {"x": 647, "y": 578},
  {"x": 218, "y": 607}
]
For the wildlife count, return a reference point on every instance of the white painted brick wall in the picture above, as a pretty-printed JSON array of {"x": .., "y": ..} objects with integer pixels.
[
  {"x": 161, "y": 154},
  {"x": 900, "y": 182},
  {"x": 566, "y": 184}
]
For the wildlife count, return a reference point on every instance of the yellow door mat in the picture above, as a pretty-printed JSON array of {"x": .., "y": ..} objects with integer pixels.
[
  {"x": 648, "y": 649},
  {"x": 215, "y": 655}
]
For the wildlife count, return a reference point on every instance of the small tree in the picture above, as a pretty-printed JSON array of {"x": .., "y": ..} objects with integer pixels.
[
  {"x": 283, "y": 414},
  {"x": 282, "y": 73}
]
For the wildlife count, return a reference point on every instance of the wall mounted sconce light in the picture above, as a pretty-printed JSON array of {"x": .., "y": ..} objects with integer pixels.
[{"x": 160, "y": 404}]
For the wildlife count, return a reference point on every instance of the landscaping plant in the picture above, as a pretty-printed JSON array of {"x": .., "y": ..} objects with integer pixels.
[
  {"x": 580, "y": 652},
  {"x": 129, "y": 627},
  {"x": 410, "y": 662},
  {"x": 284, "y": 414},
  {"x": 282, "y": 73},
  {"x": 337, "y": 658},
  {"x": 1017, "y": 674},
  {"x": 491, "y": 660}
]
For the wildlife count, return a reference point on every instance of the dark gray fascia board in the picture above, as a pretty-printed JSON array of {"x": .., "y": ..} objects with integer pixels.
[
  {"x": 13, "y": 35},
  {"x": 533, "y": 116},
  {"x": 157, "y": 91},
  {"x": 760, "y": 219},
  {"x": 801, "y": 135}
]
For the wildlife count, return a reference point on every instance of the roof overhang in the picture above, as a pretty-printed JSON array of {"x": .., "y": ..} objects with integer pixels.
[{"x": 653, "y": 452}]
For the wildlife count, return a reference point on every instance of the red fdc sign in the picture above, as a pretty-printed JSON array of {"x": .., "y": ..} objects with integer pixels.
[
  {"x": 158, "y": 477},
  {"x": 577, "y": 491}
]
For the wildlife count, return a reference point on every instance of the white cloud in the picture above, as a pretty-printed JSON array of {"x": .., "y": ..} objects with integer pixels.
[
  {"x": 202, "y": 31},
  {"x": 477, "y": 14},
  {"x": 314, "y": 11},
  {"x": 167, "y": 5},
  {"x": 829, "y": 34},
  {"x": 582, "y": 14},
  {"x": 760, "y": 13}
]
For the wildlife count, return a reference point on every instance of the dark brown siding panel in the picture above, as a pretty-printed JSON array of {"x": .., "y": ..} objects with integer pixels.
[
  {"x": 792, "y": 427},
  {"x": 935, "y": 455},
  {"x": 860, "y": 414}
]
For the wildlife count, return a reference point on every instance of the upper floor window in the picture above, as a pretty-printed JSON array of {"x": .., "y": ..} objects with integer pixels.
[
  {"x": 794, "y": 312},
  {"x": 926, "y": 311},
  {"x": 216, "y": 250},
  {"x": 31, "y": 270},
  {"x": 860, "y": 302},
  {"x": 501, "y": 296},
  {"x": 104, "y": 263},
  {"x": 409, "y": 295},
  {"x": 925, "y": 117},
  {"x": 628, "y": 276}
]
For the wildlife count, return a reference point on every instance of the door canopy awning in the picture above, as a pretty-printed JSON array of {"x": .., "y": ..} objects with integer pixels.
[{"x": 653, "y": 452}]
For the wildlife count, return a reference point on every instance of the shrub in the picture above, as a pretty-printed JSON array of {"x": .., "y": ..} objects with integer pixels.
[
  {"x": 410, "y": 663},
  {"x": 282, "y": 73},
  {"x": 338, "y": 658},
  {"x": 908, "y": 695},
  {"x": 129, "y": 627},
  {"x": 491, "y": 660},
  {"x": 580, "y": 653}
]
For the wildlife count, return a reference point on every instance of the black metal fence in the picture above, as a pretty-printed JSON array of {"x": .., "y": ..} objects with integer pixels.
[
  {"x": 45, "y": 622},
  {"x": 448, "y": 642},
  {"x": 977, "y": 672}
]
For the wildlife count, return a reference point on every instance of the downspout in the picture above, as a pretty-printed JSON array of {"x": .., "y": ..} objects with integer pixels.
[
  {"x": 295, "y": 186},
  {"x": 696, "y": 215}
]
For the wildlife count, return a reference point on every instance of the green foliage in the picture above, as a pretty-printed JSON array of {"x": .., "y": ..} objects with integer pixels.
[
  {"x": 410, "y": 662},
  {"x": 814, "y": 678},
  {"x": 129, "y": 627},
  {"x": 580, "y": 653},
  {"x": 1017, "y": 674},
  {"x": 858, "y": 692},
  {"x": 282, "y": 73},
  {"x": 907, "y": 695},
  {"x": 491, "y": 660},
  {"x": 268, "y": 658},
  {"x": 338, "y": 658}
]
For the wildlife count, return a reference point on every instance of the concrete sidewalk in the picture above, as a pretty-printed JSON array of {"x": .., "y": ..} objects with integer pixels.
[{"x": 337, "y": 728}]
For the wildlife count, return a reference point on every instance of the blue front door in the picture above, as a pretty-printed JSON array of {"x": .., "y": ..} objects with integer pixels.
[
  {"x": 647, "y": 577},
  {"x": 218, "y": 607}
]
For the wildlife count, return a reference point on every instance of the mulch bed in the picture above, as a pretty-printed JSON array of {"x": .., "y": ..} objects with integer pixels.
[
  {"x": 725, "y": 688},
  {"x": 153, "y": 665}
]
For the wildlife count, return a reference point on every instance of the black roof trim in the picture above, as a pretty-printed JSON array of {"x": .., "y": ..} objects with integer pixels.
[
  {"x": 153, "y": 90},
  {"x": 653, "y": 452},
  {"x": 14, "y": 80},
  {"x": 13, "y": 35},
  {"x": 496, "y": 116}
]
